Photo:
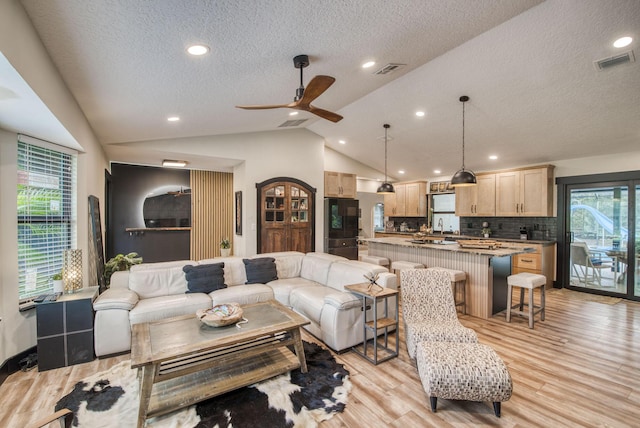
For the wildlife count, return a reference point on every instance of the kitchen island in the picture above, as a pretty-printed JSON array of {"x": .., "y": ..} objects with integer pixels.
[{"x": 486, "y": 269}]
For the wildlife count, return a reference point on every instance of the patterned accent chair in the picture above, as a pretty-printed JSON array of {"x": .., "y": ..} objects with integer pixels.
[{"x": 429, "y": 310}]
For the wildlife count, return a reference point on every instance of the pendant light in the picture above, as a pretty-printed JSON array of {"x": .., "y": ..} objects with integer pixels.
[
  {"x": 385, "y": 187},
  {"x": 463, "y": 177}
]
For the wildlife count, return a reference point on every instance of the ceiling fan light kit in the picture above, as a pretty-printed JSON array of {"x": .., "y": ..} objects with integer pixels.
[
  {"x": 463, "y": 177},
  {"x": 304, "y": 96},
  {"x": 385, "y": 187}
]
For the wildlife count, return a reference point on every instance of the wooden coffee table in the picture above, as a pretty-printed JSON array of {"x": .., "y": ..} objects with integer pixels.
[{"x": 182, "y": 361}]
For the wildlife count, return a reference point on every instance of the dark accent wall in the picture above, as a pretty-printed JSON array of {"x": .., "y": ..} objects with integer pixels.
[
  {"x": 130, "y": 185},
  {"x": 539, "y": 228}
]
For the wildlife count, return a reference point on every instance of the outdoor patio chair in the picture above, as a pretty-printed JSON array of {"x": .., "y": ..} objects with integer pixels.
[{"x": 586, "y": 267}]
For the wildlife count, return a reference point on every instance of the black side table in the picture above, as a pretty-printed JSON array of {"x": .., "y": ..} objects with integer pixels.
[{"x": 65, "y": 330}]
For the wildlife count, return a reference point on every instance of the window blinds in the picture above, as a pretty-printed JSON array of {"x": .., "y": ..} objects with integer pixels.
[{"x": 46, "y": 207}]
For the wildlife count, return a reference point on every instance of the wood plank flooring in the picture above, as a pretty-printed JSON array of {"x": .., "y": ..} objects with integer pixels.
[{"x": 578, "y": 368}]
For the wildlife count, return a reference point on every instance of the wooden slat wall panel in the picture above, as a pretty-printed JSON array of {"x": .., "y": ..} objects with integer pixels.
[{"x": 211, "y": 212}]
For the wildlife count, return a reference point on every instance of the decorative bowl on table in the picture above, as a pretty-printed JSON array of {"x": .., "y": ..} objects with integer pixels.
[{"x": 220, "y": 315}]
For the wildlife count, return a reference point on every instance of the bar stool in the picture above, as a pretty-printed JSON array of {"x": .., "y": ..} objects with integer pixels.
[
  {"x": 530, "y": 281},
  {"x": 459, "y": 286},
  {"x": 401, "y": 265},
  {"x": 375, "y": 260}
]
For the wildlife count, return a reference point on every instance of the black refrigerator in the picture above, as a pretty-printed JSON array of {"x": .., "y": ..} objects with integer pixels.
[{"x": 341, "y": 227}]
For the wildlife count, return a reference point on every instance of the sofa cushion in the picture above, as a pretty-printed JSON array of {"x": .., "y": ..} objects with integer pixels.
[
  {"x": 244, "y": 294},
  {"x": 282, "y": 288},
  {"x": 234, "y": 273},
  {"x": 204, "y": 278},
  {"x": 351, "y": 272},
  {"x": 148, "y": 283},
  {"x": 157, "y": 308},
  {"x": 308, "y": 301},
  {"x": 315, "y": 269},
  {"x": 161, "y": 265},
  {"x": 260, "y": 270}
]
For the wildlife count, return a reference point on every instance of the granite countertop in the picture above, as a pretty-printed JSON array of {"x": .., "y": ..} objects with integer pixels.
[
  {"x": 450, "y": 236},
  {"x": 453, "y": 246}
]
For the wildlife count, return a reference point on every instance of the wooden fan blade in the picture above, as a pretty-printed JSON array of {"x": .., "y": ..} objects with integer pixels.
[
  {"x": 265, "y": 107},
  {"x": 325, "y": 114},
  {"x": 315, "y": 88}
]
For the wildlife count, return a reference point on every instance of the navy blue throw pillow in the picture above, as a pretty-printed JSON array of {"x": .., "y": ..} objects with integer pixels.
[
  {"x": 260, "y": 270},
  {"x": 204, "y": 278}
]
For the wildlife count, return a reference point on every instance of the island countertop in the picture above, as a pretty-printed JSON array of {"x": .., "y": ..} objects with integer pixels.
[{"x": 504, "y": 250}]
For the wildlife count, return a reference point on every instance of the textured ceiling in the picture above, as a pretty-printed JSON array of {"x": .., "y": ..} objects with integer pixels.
[{"x": 527, "y": 66}]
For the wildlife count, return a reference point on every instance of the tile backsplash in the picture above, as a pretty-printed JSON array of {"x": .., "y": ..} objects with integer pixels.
[{"x": 538, "y": 228}]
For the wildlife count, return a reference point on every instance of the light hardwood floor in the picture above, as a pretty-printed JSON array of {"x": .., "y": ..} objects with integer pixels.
[{"x": 578, "y": 368}]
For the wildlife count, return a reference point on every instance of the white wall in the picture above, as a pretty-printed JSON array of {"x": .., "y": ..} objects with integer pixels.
[
  {"x": 20, "y": 44},
  {"x": 296, "y": 153}
]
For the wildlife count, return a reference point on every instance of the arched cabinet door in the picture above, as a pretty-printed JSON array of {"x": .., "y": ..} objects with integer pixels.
[{"x": 286, "y": 209}]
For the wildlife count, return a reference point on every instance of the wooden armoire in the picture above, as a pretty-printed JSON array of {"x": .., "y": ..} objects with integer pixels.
[{"x": 286, "y": 208}]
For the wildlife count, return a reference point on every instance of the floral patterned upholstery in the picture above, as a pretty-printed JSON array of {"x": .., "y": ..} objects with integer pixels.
[{"x": 429, "y": 311}]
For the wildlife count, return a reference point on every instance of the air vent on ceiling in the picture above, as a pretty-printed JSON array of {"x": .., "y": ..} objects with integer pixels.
[
  {"x": 295, "y": 122},
  {"x": 389, "y": 68},
  {"x": 623, "y": 58}
]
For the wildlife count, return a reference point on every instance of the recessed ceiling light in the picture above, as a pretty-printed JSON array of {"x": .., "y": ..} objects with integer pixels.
[
  {"x": 420, "y": 113},
  {"x": 493, "y": 157},
  {"x": 368, "y": 64},
  {"x": 401, "y": 171},
  {"x": 174, "y": 163},
  {"x": 197, "y": 50},
  {"x": 436, "y": 171},
  {"x": 622, "y": 42},
  {"x": 173, "y": 119},
  {"x": 342, "y": 142},
  {"x": 293, "y": 113}
]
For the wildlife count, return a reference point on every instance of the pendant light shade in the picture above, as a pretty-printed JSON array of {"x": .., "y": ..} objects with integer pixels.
[
  {"x": 385, "y": 187},
  {"x": 463, "y": 177}
]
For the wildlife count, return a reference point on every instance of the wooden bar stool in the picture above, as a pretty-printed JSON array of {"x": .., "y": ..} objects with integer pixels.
[
  {"x": 401, "y": 265},
  {"x": 530, "y": 281},
  {"x": 458, "y": 286}
]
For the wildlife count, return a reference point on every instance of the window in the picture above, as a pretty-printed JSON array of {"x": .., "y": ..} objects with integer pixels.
[{"x": 46, "y": 226}]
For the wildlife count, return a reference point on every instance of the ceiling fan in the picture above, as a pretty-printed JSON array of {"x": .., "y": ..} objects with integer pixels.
[{"x": 304, "y": 96}]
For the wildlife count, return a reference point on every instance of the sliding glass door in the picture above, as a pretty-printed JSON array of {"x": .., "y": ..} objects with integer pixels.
[{"x": 599, "y": 234}]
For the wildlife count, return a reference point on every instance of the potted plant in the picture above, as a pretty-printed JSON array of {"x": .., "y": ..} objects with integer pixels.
[
  {"x": 58, "y": 287},
  {"x": 120, "y": 262},
  {"x": 225, "y": 247},
  {"x": 486, "y": 232}
]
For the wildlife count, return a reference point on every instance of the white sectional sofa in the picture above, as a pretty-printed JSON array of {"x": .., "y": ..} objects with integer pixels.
[{"x": 311, "y": 284}]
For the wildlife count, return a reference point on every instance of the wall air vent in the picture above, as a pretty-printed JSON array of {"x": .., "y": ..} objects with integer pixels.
[
  {"x": 389, "y": 68},
  {"x": 295, "y": 122},
  {"x": 623, "y": 58}
]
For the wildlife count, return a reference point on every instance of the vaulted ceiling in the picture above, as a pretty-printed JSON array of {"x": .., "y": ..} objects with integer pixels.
[{"x": 527, "y": 65}]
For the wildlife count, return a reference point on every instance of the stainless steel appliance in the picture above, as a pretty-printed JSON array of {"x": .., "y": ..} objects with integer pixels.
[{"x": 341, "y": 227}]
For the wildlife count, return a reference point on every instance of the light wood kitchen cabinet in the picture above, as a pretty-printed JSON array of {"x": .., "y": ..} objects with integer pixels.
[
  {"x": 541, "y": 261},
  {"x": 525, "y": 192},
  {"x": 409, "y": 200},
  {"x": 478, "y": 200},
  {"x": 339, "y": 185}
]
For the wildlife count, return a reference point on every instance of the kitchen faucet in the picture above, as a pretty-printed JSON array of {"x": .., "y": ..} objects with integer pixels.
[{"x": 441, "y": 226}]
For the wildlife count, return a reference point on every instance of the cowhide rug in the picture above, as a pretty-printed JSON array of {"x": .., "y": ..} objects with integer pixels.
[{"x": 110, "y": 399}]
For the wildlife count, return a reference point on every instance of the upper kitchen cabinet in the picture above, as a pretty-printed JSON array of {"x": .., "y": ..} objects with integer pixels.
[
  {"x": 339, "y": 185},
  {"x": 525, "y": 192},
  {"x": 409, "y": 200},
  {"x": 478, "y": 200}
]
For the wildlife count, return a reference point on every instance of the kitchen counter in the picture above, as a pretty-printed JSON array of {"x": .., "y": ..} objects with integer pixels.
[
  {"x": 451, "y": 236},
  {"x": 443, "y": 245},
  {"x": 487, "y": 270}
]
